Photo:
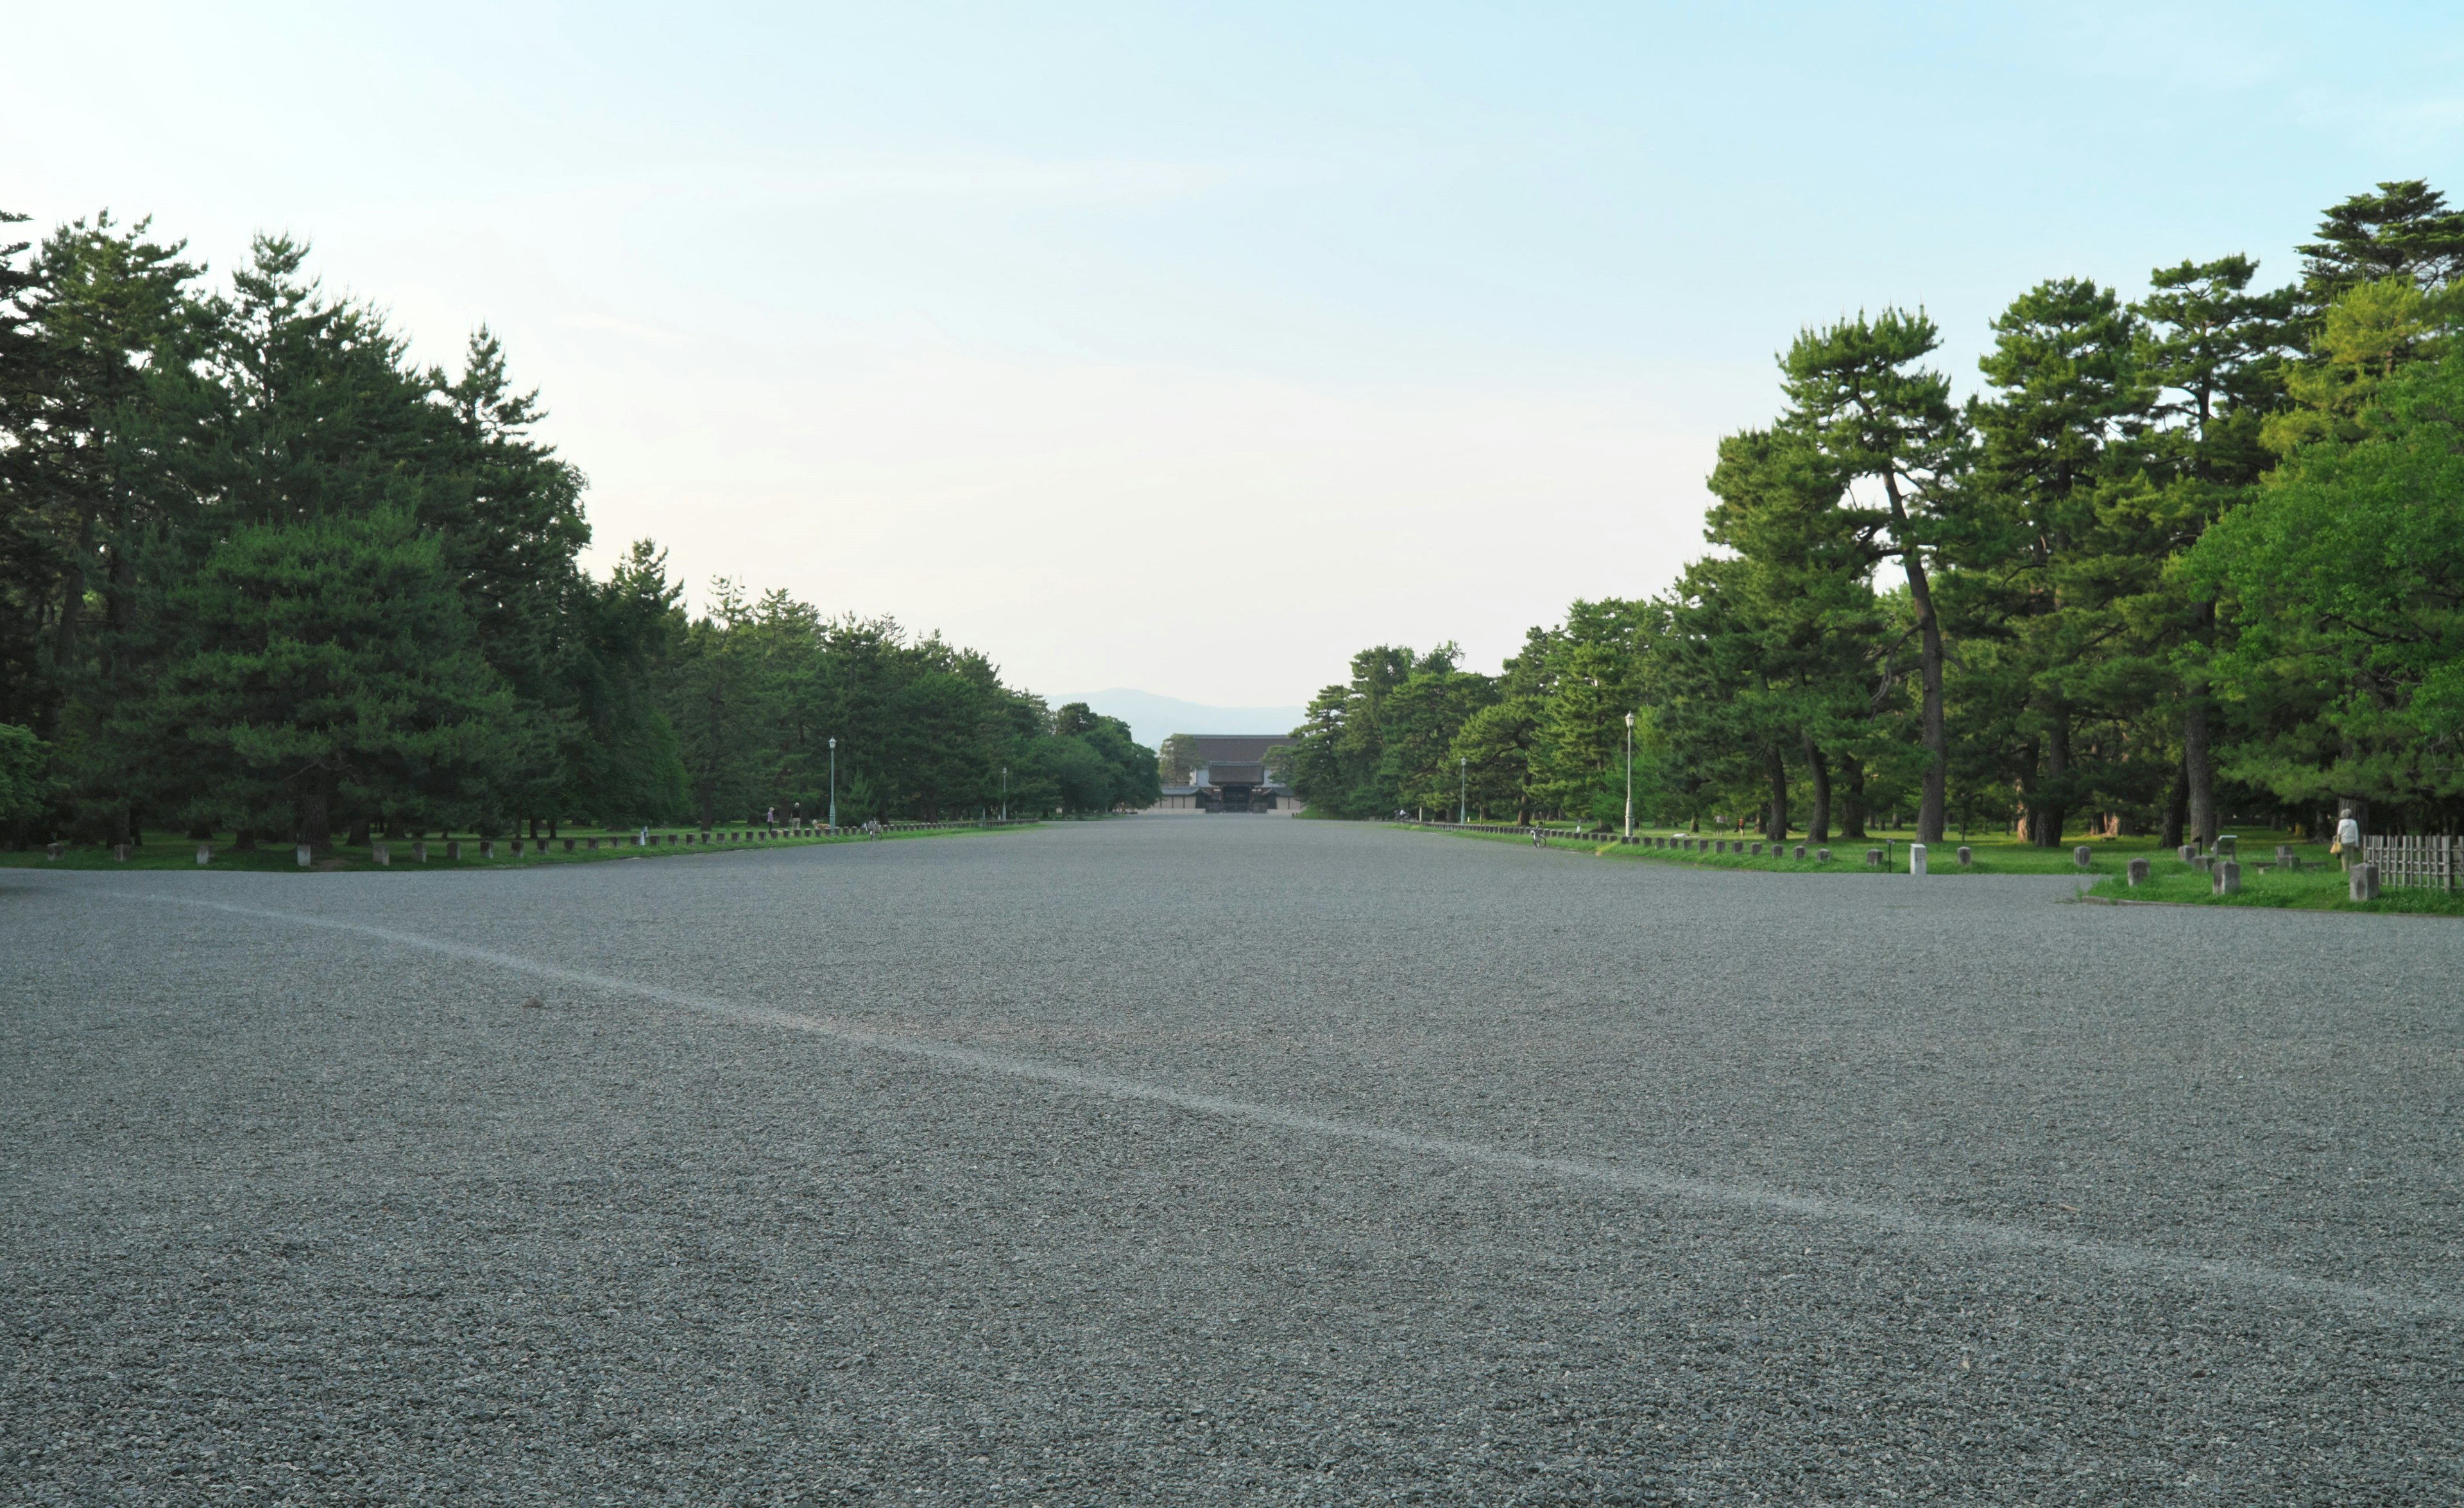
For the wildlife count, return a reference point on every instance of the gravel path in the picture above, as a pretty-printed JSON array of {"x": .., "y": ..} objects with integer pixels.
[{"x": 1182, "y": 1161}]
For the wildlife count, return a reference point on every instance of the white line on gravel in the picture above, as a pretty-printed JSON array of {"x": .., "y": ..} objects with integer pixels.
[{"x": 1986, "y": 1234}]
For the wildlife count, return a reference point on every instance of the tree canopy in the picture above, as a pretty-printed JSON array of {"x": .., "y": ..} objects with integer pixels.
[
  {"x": 260, "y": 572},
  {"x": 2177, "y": 556}
]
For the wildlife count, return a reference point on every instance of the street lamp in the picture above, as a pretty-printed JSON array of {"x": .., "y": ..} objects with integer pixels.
[
  {"x": 834, "y": 784},
  {"x": 1463, "y": 811},
  {"x": 1629, "y": 777}
]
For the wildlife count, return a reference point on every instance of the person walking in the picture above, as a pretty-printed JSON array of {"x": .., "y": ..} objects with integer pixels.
[{"x": 2348, "y": 839}]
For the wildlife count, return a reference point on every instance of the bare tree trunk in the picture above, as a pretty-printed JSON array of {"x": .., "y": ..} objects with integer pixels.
[
  {"x": 315, "y": 815},
  {"x": 1775, "y": 824},
  {"x": 2050, "y": 810},
  {"x": 1932, "y": 813},
  {"x": 2177, "y": 807},
  {"x": 1818, "y": 827},
  {"x": 1852, "y": 800},
  {"x": 66, "y": 645},
  {"x": 359, "y": 833},
  {"x": 2198, "y": 770}
]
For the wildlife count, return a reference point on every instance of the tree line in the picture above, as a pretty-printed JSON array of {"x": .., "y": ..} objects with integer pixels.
[
  {"x": 2192, "y": 554},
  {"x": 260, "y": 573}
]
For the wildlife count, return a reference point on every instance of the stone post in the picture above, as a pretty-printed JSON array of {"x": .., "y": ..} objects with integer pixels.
[
  {"x": 2228, "y": 877},
  {"x": 383, "y": 853},
  {"x": 2361, "y": 883},
  {"x": 1916, "y": 858},
  {"x": 419, "y": 852},
  {"x": 1874, "y": 858},
  {"x": 304, "y": 855},
  {"x": 2190, "y": 852},
  {"x": 2284, "y": 855},
  {"x": 569, "y": 845},
  {"x": 2137, "y": 869},
  {"x": 1822, "y": 855},
  {"x": 1799, "y": 854},
  {"x": 2228, "y": 846},
  {"x": 120, "y": 852},
  {"x": 205, "y": 854},
  {"x": 453, "y": 852},
  {"x": 487, "y": 848},
  {"x": 54, "y": 850},
  {"x": 2083, "y": 855},
  {"x": 1966, "y": 855}
]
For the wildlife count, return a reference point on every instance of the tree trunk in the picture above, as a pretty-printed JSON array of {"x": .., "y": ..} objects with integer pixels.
[
  {"x": 66, "y": 634},
  {"x": 1931, "y": 812},
  {"x": 1852, "y": 799},
  {"x": 316, "y": 821},
  {"x": 244, "y": 840},
  {"x": 1819, "y": 826},
  {"x": 2198, "y": 770},
  {"x": 1775, "y": 827},
  {"x": 2177, "y": 807},
  {"x": 359, "y": 833},
  {"x": 2050, "y": 811}
]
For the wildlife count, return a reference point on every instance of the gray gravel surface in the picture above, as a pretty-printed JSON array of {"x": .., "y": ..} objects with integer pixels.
[{"x": 1211, "y": 1159}]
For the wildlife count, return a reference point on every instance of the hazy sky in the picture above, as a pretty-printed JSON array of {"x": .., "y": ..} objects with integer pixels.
[{"x": 1192, "y": 348}]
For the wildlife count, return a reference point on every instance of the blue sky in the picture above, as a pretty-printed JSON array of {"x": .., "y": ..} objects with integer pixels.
[{"x": 1192, "y": 347}]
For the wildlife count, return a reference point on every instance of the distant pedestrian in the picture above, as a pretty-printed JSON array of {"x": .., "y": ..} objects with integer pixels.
[{"x": 2348, "y": 838}]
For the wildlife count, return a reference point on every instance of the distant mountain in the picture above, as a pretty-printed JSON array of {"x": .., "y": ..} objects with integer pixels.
[{"x": 1152, "y": 719}]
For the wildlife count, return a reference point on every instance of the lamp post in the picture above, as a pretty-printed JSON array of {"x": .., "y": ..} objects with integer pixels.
[
  {"x": 1463, "y": 811},
  {"x": 834, "y": 784},
  {"x": 1628, "y": 776}
]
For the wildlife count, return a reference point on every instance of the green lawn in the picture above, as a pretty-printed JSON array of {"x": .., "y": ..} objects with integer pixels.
[
  {"x": 2317, "y": 885},
  {"x": 2322, "y": 888},
  {"x": 181, "y": 853}
]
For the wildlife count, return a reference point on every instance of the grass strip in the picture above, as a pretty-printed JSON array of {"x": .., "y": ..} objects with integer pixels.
[
  {"x": 2319, "y": 884},
  {"x": 283, "y": 858}
]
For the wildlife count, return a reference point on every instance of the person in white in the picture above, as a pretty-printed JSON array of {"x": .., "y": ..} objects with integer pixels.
[{"x": 2348, "y": 838}]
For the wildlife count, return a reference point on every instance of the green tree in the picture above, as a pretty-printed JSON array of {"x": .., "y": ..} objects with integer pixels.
[
  {"x": 329, "y": 664},
  {"x": 1855, "y": 392},
  {"x": 25, "y": 769},
  {"x": 2405, "y": 231},
  {"x": 2216, "y": 354},
  {"x": 2344, "y": 572},
  {"x": 2067, "y": 402},
  {"x": 1493, "y": 755}
]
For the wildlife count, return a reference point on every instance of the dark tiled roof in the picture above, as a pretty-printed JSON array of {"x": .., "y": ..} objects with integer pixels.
[{"x": 1244, "y": 748}]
